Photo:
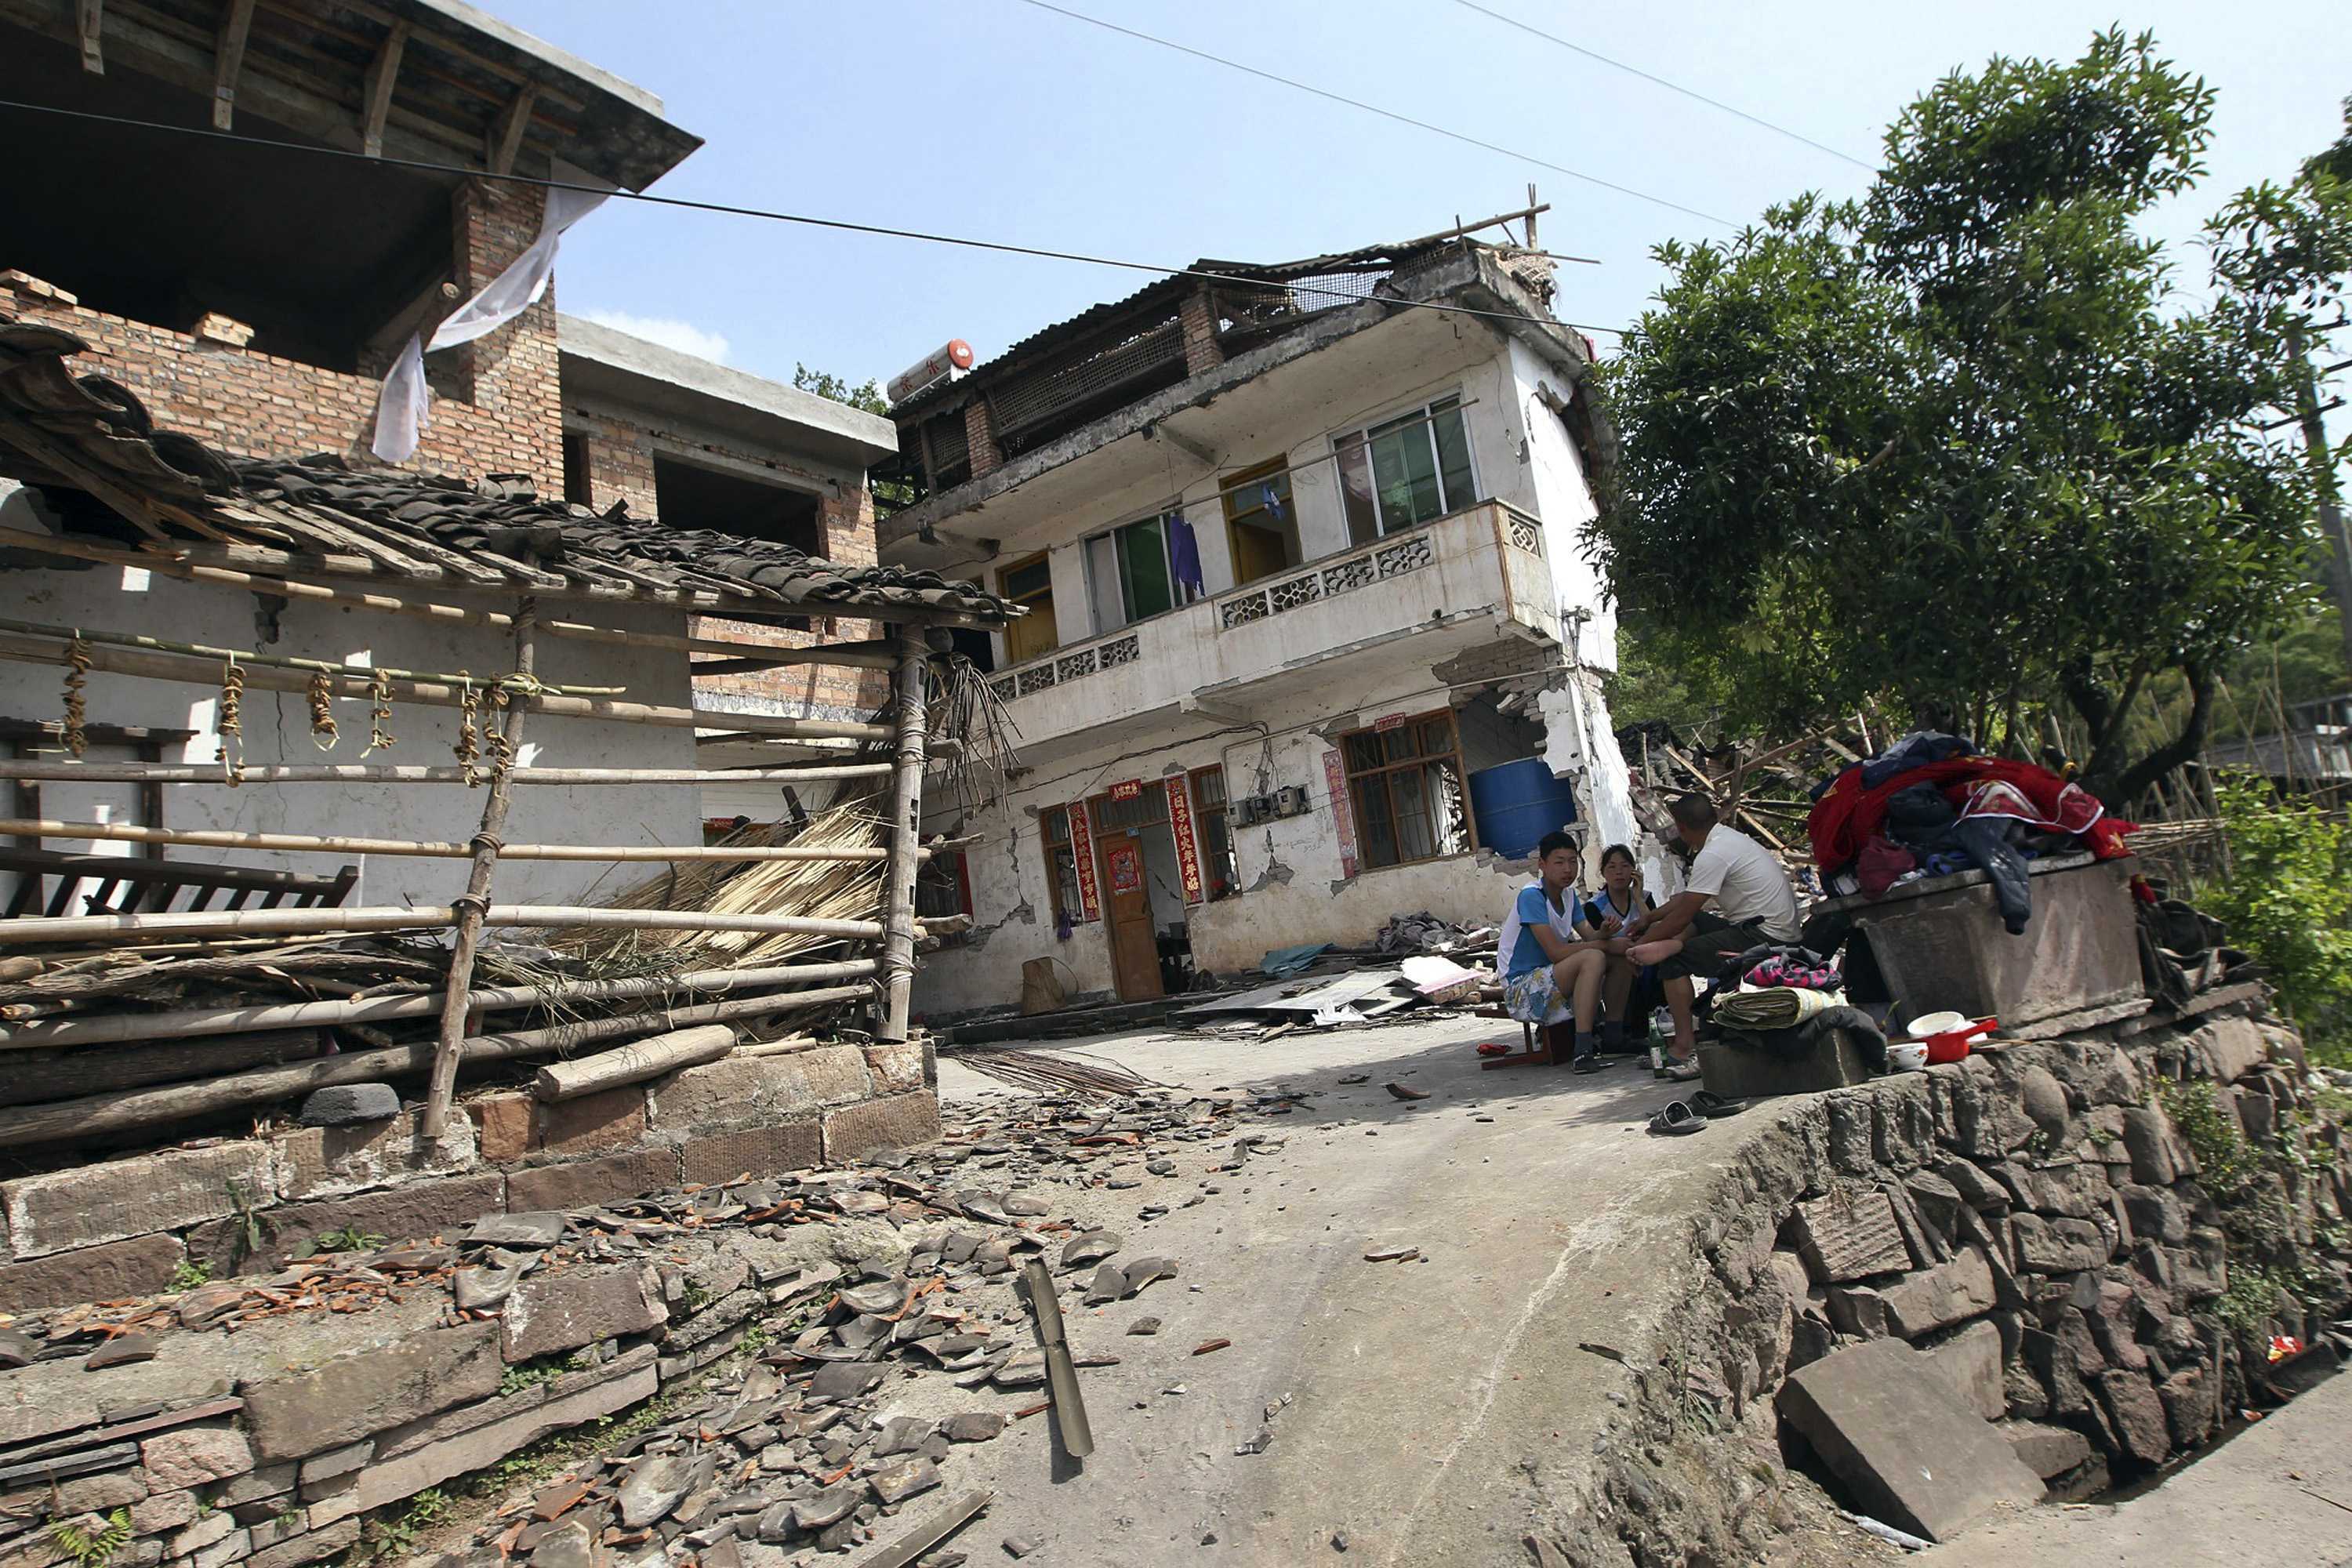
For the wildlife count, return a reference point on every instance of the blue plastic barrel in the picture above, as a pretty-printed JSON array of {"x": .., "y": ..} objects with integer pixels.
[{"x": 1516, "y": 804}]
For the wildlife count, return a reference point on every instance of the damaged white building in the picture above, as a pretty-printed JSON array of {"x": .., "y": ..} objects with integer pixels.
[{"x": 1312, "y": 638}]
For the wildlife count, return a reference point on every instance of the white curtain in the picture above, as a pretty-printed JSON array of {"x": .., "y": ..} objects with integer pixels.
[{"x": 401, "y": 407}]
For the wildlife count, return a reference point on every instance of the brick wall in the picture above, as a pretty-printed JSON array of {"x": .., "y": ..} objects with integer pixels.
[
  {"x": 1202, "y": 350},
  {"x": 497, "y": 404},
  {"x": 620, "y": 453}
]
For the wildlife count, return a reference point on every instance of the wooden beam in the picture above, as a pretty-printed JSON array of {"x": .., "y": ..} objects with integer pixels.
[
  {"x": 899, "y": 930},
  {"x": 109, "y": 929},
  {"x": 376, "y": 102},
  {"x": 90, "y": 17},
  {"x": 445, "y": 849},
  {"x": 507, "y": 133},
  {"x": 26, "y": 770},
  {"x": 228, "y": 60}
]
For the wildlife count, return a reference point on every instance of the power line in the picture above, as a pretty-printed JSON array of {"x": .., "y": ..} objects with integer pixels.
[
  {"x": 1401, "y": 119},
  {"x": 1661, "y": 81},
  {"x": 844, "y": 224}
]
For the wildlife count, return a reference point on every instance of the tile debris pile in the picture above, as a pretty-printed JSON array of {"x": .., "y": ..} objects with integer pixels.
[{"x": 852, "y": 1288}]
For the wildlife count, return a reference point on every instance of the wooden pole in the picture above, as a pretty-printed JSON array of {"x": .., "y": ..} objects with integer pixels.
[
  {"x": 632, "y": 1063},
  {"x": 863, "y": 654},
  {"x": 129, "y": 1111},
  {"x": 274, "y": 661},
  {"x": 424, "y": 917},
  {"x": 432, "y": 694},
  {"x": 113, "y": 1029},
  {"x": 475, "y": 902},
  {"x": 898, "y": 930},
  {"x": 370, "y": 773},
  {"x": 446, "y": 849}
]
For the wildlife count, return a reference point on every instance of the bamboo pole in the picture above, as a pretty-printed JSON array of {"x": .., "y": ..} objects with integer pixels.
[
  {"x": 133, "y": 1110},
  {"x": 863, "y": 654},
  {"x": 306, "y": 844},
  {"x": 272, "y": 660},
  {"x": 475, "y": 902},
  {"x": 370, "y": 773},
  {"x": 436, "y": 694},
  {"x": 632, "y": 1063},
  {"x": 424, "y": 917},
  {"x": 906, "y": 837},
  {"x": 113, "y": 1029}
]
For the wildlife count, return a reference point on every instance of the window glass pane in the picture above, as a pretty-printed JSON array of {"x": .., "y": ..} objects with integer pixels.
[
  {"x": 1375, "y": 828},
  {"x": 1397, "y": 744},
  {"x": 1436, "y": 737},
  {"x": 1056, "y": 825},
  {"x": 1209, "y": 788},
  {"x": 1021, "y": 582},
  {"x": 1410, "y": 786},
  {"x": 1363, "y": 750},
  {"x": 1453, "y": 451},
  {"x": 1143, "y": 553},
  {"x": 1103, "y": 583},
  {"x": 1404, "y": 471},
  {"x": 1356, "y": 492}
]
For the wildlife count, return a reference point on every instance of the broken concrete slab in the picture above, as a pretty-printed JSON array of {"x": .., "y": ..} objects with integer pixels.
[
  {"x": 1890, "y": 1430},
  {"x": 1849, "y": 1236},
  {"x": 1938, "y": 1298},
  {"x": 553, "y": 1312}
]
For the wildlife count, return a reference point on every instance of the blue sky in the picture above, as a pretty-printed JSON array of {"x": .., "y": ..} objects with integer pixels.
[{"x": 993, "y": 118}]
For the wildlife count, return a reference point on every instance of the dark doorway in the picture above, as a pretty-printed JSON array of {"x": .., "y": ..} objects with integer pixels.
[{"x": 687, "y": 495}]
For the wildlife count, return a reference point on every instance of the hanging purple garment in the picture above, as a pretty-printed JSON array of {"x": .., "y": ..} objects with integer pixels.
[{"x": 1183, "y": 552}]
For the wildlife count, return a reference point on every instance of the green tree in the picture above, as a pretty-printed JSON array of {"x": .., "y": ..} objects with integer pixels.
[
  {"x": 2288, "y": 900},
  {"x": 1954, "y": 443},
  {"x": 825, "y": 384}
]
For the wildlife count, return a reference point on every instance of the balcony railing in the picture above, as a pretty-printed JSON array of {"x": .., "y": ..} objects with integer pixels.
[{"x": 1328, "y": 577}]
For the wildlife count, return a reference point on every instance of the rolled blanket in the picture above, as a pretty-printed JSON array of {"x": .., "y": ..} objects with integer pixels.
[{"x": 1774, "y": 1007}]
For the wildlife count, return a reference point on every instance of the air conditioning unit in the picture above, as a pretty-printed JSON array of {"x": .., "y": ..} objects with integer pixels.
[{"x": 1290, "y": 800}]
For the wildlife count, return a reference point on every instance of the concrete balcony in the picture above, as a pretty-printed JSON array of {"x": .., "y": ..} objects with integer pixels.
[{"x": 1426, "y": 595}]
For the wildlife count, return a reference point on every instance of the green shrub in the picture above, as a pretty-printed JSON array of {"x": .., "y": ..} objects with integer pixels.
[{"x": 2288, "y": 900}]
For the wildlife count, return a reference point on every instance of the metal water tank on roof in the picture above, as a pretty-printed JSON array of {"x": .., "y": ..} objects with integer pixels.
[{"x": 1516, "y": 804}]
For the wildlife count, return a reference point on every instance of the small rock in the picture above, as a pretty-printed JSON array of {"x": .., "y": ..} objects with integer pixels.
[
  {"x": 349, "y": 1104},
  {"x": 121, "y": 1350},
  {"x": 1027, "y": 1204},
  {"x": 1144, "y": 1326},
  {"x": 567, "y": 1545},
  {"x": 1160, "y": 1167},
  {"x": 973, "y": 1427},
  {"x": 1021, "y": 1545},
  {"x": 1338, "y": 1541}
]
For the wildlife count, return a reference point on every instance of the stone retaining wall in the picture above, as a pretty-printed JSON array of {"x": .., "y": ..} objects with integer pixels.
[
  {"x": 267, "y": 1445},
  {"x": 2040, "y": 1222},
  {"x": 125, "y": 1226}
]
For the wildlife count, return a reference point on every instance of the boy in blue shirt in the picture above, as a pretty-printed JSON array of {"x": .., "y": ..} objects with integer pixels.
[{"x": 1543, "y": 962}]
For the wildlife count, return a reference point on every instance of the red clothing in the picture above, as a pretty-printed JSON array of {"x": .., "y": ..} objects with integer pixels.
[{"x": 1847, "y": 815}]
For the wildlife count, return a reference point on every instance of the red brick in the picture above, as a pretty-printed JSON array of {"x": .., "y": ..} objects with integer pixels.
[
  {"x": 593, "y": 1124},
  {"x": 503, "y": 1123}
]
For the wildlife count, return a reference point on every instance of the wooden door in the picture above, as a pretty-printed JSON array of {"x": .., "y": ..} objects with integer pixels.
[{"x": 1127, "y": 913}]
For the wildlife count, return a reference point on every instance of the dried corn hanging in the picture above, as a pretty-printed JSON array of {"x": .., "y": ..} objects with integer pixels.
[
  {"x": 322, "y": 711},
  {"x": 232, "y": 722},
  {"x": 495, "y": 748},
  {"x": 469, "y": 712},
  {"x": 77, "y": 706},
  {"x": 379, "y": 714}
]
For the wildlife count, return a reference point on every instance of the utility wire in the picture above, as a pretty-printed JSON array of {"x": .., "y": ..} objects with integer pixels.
[
  {"x": 1401, "y": 119},
  {"x": 731, "y": 210},
  {"x": 1661, "y": 81}
]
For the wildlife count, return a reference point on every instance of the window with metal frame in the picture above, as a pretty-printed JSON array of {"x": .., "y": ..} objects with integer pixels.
[
  {"x": 1061, "y": 865},
  {"x": 943, "y": 888},
  {"x": 1405, "y": 785},
  {"x": 1132, "y": 572},
  {"x": 1030, "y": 584},
  {"x": 1214, "y": 828},
  {"x": 1406, "y": 471}
]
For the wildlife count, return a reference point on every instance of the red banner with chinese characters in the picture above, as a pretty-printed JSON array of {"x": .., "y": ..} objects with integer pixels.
[
  {"x": 1127, "y": 789},
  {"x": 1082, "y": 850},
  {"x": 1126, "y": 868},
  {"x": 1336, "y": 775},
  {"x": 1179, "y": 824}
]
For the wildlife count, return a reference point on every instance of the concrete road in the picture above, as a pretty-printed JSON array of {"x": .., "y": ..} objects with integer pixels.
[
  {"x": 2279, "y": 1494},
  {"x": 1431, "y": 1405}
]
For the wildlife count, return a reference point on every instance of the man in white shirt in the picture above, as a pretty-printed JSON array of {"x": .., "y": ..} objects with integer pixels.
[{"x": 1736, "y": 897}]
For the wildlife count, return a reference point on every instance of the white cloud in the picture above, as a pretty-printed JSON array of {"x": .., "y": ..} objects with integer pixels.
[{"x": 668, "y": 330}]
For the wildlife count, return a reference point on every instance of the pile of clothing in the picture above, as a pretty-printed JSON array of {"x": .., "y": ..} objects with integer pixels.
[
  {"x": 1780, "y": 998},
  {"x": 1931, "y": 805}
]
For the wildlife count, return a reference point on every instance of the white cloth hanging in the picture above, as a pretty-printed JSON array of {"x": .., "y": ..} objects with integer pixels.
[{"x": 401, "y": 409}]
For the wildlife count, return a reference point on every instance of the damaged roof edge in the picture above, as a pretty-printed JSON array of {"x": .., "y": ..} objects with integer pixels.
[
  {"x": 1475, "y": 275},
  {"x": 462, "y": 14},
  {"x": 832, "y": 430}
]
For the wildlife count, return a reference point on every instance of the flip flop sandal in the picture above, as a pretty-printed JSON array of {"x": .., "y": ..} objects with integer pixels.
[
  {"x": 1677, "y": 1120},
  {"x": 1708, "y": 1104},
  {"x": 1681, "y": 1073}
]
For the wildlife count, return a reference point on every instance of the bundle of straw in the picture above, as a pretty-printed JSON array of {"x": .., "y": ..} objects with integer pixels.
[{"x": 826, "y": 890}]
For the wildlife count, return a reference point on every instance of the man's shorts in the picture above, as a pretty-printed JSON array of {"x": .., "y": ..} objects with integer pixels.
[
  {"x": 1530, "y": 997},
  {"x": 1710, "y": 940}
]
